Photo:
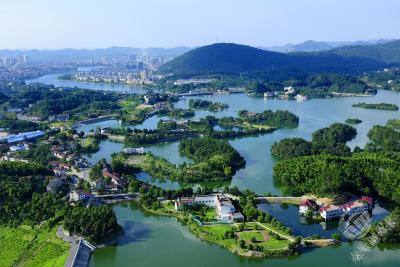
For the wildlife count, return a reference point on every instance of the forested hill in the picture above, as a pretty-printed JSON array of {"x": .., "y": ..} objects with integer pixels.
[
  {"x": 388, "y": 53},
  {"x": 228, "y": 58}
]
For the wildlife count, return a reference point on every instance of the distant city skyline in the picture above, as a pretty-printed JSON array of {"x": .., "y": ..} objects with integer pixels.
[{"x": 46, "y": 24}]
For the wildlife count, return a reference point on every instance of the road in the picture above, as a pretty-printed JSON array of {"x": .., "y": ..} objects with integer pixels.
[{"x": 73, "y": 241}]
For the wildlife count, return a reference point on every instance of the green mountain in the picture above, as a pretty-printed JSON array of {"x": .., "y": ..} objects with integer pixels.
[
  {"x": 228, "y": 58},
  {"x": 388, "y": 53}
]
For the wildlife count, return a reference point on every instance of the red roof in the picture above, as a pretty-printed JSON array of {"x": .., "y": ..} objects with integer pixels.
[{"x": 369, "y": 200}]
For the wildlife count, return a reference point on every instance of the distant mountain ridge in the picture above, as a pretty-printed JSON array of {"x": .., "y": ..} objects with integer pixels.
[
  {"x": 77, "y": 54},
  {"x": 315, "y": 46},
  {"x": 228, "y": 58}
]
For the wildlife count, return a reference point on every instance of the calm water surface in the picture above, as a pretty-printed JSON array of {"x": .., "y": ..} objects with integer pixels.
[{"x": 160, "y": 241}]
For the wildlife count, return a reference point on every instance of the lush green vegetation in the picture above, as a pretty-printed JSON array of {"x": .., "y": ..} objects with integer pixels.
[
  {"x": 394, "y": 124},
  {"x": 279, "y": 118},
  {"x": 315, "y": 85},
  {"x": 220, "y": 155},
  {"x": 372, "y": 172},
  {"x": 18, "y": 126},
  {"x": 90, "y": 145},
  {"x": 214, "y": 160},
  {"x": 362, "y": 173},
  {"x": 94, "y": 222},
  {"x": 387, "y": 52},
  {"x": 39, "y": 153},
  {"x": 387, "y": 80},
  {"x": 383, "y": 139},
  {"x": 353, "y": 121},
  {"x": 231, "y": 59},
  {"x": 380, "y": 106},
  {"x": 331, "y": 140},
  {"x": 24, "y": 246},
  {"x": 204, "y": 104},
  {"x": 179, "y": 113},
  {"x": 387, "y": 230},
  {"x": 291, "y": 147},
  {"x": 46, "y": 100}
]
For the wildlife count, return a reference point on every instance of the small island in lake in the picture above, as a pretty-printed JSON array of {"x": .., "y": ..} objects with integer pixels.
[
  {"x": 380, "y": 106},
  {"x": 209, "y": 105},
  {"x": 353, "y": 121}
]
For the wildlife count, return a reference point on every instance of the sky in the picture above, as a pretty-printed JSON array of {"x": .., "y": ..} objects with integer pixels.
[{"x": 54, "y": 24}]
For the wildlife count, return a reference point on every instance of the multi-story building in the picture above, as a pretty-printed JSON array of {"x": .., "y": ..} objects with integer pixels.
[
  {"x": 224, "y": 208},
  {"x": 332, "y": 212},
  {"x": 77, "y": 195}
]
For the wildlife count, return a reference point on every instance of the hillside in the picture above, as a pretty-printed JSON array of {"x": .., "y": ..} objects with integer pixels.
[
  {"x": 228, "y": 58},
  {"x": 388, "y": 53}
]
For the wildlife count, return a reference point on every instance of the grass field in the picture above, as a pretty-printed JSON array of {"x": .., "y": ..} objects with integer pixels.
[
  {"x": 215, "y": 233},
  {"x": 31, "y": 247}
]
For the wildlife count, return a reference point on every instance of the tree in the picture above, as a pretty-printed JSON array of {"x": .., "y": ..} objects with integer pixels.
[
  {"x": 291, "y": 147},
  {"x": 336, "y": 236}
]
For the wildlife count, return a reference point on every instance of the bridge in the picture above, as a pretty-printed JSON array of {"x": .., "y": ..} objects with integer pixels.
[
  {"x": 290, "y": 200},
  {"x": 82, "y": 256},
  {"x": 122, "y": 195}
]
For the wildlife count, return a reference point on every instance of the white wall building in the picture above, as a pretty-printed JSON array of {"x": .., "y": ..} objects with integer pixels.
[{"x": 223, "y": 205}]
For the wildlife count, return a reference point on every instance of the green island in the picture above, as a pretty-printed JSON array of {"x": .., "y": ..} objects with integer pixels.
[
  {"x": 330, "y": 140},
  {"x": 213, "y": 161},
  {"x": 316, "y": 167},
  {"x": 247, "y": 124},
  {"x": 209, "y": 105},
  {"x": 353, "y": 121},
  {"x": 380, "y": 106}
]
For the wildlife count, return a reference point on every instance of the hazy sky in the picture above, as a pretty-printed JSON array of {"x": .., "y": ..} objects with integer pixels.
[{"x": 168, "y": 23}]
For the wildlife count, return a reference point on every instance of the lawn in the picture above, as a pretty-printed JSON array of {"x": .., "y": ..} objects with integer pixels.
[
  {"x": 247, "y": 235},
  {"x": 215, "y": 233},
  {"x": 31, "y": 247},
  {"x": 211, "y": 214},
  {"x": 170, "y": 205}
]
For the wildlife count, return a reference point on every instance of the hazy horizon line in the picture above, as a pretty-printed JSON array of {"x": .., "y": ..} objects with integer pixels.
[{"x": 188, "y": 46}]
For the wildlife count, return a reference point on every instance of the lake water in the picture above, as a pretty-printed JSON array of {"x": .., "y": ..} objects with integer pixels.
[
  {"x": 151, "y": 241},
  {"x": 52, "y": 79},
  {"x": 161, "y": 241}
]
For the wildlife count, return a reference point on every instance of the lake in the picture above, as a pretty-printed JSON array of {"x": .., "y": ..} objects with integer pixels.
[{"x": 162, "y": 241}]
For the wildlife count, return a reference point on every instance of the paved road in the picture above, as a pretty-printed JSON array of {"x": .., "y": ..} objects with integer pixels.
[{"x": 73, "y": 241}]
